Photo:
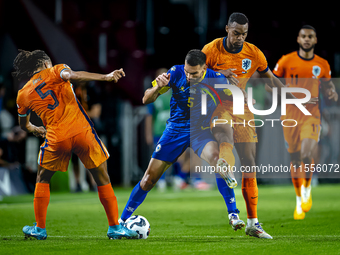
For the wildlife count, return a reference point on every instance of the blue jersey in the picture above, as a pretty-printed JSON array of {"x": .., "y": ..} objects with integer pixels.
[
  {"x": 187, "y": 126},
  {"x": 186, "y": 103}
]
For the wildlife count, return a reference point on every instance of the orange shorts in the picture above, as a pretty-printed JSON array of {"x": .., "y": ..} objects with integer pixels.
[
  {"x": 243, "y": 132},
  {"x": 307, "y": 127},
  {"x": 86, "y": 145}
]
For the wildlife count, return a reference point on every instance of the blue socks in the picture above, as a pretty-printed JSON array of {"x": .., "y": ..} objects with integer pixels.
[
  {"x": 137, "y": 197},
  {"x": 228, "y": 195}
]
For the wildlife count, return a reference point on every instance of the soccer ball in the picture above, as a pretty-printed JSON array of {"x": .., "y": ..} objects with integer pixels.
[{"x": 140, "y": 225}]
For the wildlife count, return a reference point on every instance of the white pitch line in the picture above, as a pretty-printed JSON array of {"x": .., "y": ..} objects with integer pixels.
[{"x": 192, "y": 236}]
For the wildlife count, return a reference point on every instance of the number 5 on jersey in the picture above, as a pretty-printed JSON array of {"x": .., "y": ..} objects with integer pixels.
[
  {"x": 44, "y": 95},
  {"x": 190, "y": 102}
]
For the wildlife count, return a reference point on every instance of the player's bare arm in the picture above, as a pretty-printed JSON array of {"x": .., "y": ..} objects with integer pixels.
[
  {"x": 275, "y": 82},
  {"x": 114, "y": 76},
  {"x": 152, "y": 94},
  {"x": 27, "y": 126},
  {"x": 329, "y": 90}
]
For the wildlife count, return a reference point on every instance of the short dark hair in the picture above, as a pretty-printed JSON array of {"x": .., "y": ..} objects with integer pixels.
[
  {"x": 238, "y": 17},
  {"x": 195, "y": 57},
  {"x": 308, "y": 27},
  {"x": 27, "y": 62}
]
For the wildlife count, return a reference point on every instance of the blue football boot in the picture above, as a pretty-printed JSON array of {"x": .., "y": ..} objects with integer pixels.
[
  {"x": 34, "y": 231},
  {"x": 119, "y": 232}
]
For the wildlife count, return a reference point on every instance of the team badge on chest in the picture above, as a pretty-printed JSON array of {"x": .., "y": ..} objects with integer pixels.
[
  {"x": 316, "y": 71},
  {"x": 246, "y": 64}
]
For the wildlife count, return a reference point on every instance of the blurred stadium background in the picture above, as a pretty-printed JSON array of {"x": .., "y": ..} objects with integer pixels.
[{"x": 142, "y": 36}]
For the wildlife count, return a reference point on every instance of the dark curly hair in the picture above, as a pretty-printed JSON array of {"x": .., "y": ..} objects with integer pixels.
[
  {"x": 195, "y": 57},
  {"x": 26, "y": 62},
  {"x": 238, "y": 17}
]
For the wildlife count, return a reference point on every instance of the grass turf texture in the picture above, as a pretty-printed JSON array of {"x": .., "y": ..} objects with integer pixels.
[{"x": 189, "y": 222}]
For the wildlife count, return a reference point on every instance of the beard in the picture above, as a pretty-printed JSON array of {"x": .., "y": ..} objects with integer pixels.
[
  {"x": 194, "y": 80},
  {"x": 237, "y": 46},
  {"x": 307, "y": 49}
]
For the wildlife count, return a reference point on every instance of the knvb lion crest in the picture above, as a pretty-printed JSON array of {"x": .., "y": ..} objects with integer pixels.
[
  {"x": 316, "y": 71},
  {"x": 246, "y": 64}
]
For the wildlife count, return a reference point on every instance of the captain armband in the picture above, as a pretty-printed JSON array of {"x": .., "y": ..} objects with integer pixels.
[{"x": 162, "y": 90}]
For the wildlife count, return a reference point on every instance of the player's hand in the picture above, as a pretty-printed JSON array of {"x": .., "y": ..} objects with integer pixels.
[
  {"x": 39, "y": 132},
  {"x": 332, "y": 94},
  {"x": 313, "y": 100},
  {"x": 115, "y": 75},
  {"x": 163, "y": 80},
  {"x": 230, "y": 75}
]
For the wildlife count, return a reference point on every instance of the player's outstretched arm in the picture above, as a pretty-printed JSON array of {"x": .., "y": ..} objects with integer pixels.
[
  {"x": 27, "y": 126},
  {"x": 273, "y": 82},
  {"x": 153, "y": 93},
  {"x": 114, "y": 76}
]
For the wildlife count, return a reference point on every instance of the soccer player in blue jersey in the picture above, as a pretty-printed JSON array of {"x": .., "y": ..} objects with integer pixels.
[{"x": 185, "y": 127}]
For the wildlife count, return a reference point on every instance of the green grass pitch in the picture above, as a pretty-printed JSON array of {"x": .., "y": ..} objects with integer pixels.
[{"x": 188, "y": 222}]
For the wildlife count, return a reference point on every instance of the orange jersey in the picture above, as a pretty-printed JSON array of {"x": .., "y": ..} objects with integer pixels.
[
  {"x": 246, "y": 61},
  {"x": 303, "y": 73},
  {"x": 54, "y": 101}
]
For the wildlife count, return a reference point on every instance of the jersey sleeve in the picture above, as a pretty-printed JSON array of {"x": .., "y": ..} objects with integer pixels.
[
  {"x": 279, "y": 70},
  {"x": 23, "y": 109},
  {"x": 262, "y": 62},
  {"x": 172, "y": 72},
  {"x": 58, "y": 71},
  {"x": 327, "y": 75},
  {"x": 207, "y": 51}
]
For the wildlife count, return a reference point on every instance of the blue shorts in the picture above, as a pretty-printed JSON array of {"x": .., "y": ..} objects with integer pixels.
[{"x": 176, "y": 139}]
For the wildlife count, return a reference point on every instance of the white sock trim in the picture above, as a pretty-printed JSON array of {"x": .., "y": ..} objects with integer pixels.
[
  {"x": 252, "y": 221},
  {"x": 298, "y": 204}
]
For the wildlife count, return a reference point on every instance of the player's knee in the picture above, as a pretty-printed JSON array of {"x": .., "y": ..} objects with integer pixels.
[
  {"x": 306, "y": 157},
  {"x": 43, "y": 175},
  {"x": 149, "y": 180},
  {"x": 248, "y": 161},
  {"x": 147, "y": 184},
  {"x": 223, "y": 133},
  {"x": 212, "y": 157}
]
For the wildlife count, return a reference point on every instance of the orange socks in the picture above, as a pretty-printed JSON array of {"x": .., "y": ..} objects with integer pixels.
[
  {"x": 40, "y": 202},
  {"x": 109, "y": 201},
  {"x": 226, "y": 152},
  {"x": 250, "y": 193},
  {"x": 249, "y": 183},
  {"x": 42, "y": 198},
  {"x": 308, "y": 175},
  {"x": 297, "y": 175}
]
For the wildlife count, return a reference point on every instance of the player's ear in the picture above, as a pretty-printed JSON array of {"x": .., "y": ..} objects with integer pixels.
[
  {"x": 205, "y": 67},
  {"x": 227, "y": 28}
]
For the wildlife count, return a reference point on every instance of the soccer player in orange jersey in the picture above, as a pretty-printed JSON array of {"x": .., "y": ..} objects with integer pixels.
[
  {"x": 239, "y": 60},
  {"x": 67, "y": 129},
  {"x": 307, "y": 70}
]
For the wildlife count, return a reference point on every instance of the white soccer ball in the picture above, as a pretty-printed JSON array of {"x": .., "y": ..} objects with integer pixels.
[{"x": 140, "y": 225}]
